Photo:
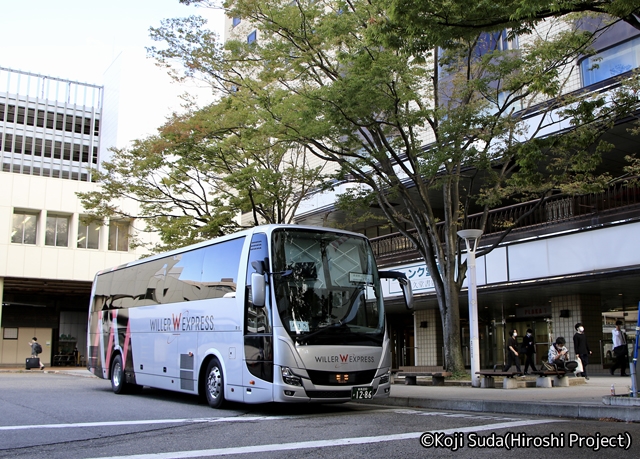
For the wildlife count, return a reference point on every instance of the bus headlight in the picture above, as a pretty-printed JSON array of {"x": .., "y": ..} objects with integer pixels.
[
  {"x": 289, "y": 378},
  {"x": 384, "y": 379}
]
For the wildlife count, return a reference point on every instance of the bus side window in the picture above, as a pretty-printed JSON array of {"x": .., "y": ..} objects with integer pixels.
[{"x": 220, "y": 268}]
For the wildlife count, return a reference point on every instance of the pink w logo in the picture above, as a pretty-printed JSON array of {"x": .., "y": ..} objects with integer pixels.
[
  {"x": 344, "y": 358},
  {"x": 176, "y": 321}
]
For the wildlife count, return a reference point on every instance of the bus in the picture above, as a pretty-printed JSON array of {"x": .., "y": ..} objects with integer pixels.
[{"x": 276, "y": 313}]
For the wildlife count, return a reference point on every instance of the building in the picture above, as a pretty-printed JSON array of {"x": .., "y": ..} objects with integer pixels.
[{"x": 50, "y": 139}]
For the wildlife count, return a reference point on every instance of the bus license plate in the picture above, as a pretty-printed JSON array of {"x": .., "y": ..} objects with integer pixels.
[{"x": 362, "y": 393}]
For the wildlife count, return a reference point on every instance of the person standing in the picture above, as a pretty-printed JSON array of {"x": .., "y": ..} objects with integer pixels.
[
  {"x": 512, "y": 353},
  {"x": 529, "y": 349},
  {"x": 582, "y": 348},
  {"x": 620, "y": 350},
  {"x": 35, "y": 350}
]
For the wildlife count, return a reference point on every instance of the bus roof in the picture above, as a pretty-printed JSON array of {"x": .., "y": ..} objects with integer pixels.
[{"x": 268, "y": 229}]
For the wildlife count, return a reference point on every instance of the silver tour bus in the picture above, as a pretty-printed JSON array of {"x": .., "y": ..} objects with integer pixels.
[{"x": 282, "y": 313}]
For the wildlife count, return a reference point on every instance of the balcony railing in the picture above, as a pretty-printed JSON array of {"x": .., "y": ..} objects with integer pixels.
[{"x": 554, "y": 212}]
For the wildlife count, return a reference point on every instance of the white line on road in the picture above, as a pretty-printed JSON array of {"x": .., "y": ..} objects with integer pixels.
[
  {"x": 143, "y": 422},
  {"x": 323, "y": 443}
]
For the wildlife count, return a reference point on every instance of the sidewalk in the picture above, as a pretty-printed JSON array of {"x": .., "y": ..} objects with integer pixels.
[{"x": 590, "y": 400}]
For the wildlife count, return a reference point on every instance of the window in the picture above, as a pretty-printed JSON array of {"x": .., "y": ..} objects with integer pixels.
[
  {"x": 88, "y": 235},
  {"x": 25, "y": 225},
  {"x": 496, "y": 41},
  {"x": 206, "y": 273},
  {"x": 252, "y": 37},
  {"x": 57, "y": 233},
  {"x": 119, "y": 235},
  {"x": 235, "y": 21},
  {"x": 611, "y": 62}
]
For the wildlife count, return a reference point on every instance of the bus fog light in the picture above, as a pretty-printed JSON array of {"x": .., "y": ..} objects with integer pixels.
[
  {"x": 289, "y": 378},
  {"x": 289, "y": 393}
]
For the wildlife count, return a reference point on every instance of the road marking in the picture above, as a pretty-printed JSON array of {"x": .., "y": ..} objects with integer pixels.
[
  {"x": 454, "y": 415},
  {"x": 143, "y": 422},
  {"x": 324, "y": 443}
]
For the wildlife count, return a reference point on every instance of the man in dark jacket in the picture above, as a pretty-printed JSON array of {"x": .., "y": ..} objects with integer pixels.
[
  {"x": 581, "y": 348},
  {"x": 512, "y": 353},
  {"x": 529, "y": 349}
]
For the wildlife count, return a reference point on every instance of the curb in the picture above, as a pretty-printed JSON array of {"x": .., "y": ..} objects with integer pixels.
[
  {"x": 550, "y": 409},
  {"x": 620, "y": 400},
  {"x": 49, "y": 370}
]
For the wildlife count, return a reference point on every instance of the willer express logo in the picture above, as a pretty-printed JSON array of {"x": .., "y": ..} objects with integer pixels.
[
  {"x": 344, "y": 358},
  {"x": 182, "y": 323}
]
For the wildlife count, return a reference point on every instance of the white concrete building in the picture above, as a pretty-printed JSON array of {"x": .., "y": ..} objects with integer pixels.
[{"x": 49, "y": 141}]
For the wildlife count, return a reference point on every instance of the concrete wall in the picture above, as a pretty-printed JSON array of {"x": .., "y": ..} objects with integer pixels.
[{"x": 15, "y": 351}]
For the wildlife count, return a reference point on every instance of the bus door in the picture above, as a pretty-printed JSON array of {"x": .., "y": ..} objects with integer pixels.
[{"x": 258, "y": 334}]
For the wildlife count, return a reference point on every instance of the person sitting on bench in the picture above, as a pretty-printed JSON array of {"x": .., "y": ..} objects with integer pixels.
[{"x": 559, "y": 357}]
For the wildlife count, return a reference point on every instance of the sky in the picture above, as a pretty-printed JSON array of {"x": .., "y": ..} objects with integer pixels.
[{"x": 79, "y": 39}]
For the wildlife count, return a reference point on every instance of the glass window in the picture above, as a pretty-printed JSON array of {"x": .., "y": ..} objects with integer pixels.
[
  {"x": 205, "y": 273},
  {"x": 88, "y": 235},
  {"x": 119, "y": 235},
  {"x": 235, "y": 21},
  {"x": 222, "y": 261},
  {"x": 24, "y": 227},
  {"x": 252, "y": 37},
  {"x": 326, "y": 288},
  {"x": 257, "y": 318},
  {"x": 611, "y": 62},
  {"x": 57, "y": 233},
  {"x": 494, "y": 41}
]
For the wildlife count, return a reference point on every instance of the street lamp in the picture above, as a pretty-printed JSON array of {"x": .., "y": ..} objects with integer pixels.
[{"x": 471, "y": 237}]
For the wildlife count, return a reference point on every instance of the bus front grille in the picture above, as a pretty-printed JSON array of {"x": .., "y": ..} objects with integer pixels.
[
  {"x": 333, "y": 378},
  {"x": 328, "y": 393}
]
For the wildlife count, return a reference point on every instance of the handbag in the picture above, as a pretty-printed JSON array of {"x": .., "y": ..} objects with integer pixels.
[
  {"x": 619, "y": 351},
  {"x": 579, "y": 368}
]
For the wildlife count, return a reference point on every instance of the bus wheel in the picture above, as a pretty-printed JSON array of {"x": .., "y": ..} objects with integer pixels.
[
  {"x": 118, "y": 384},
  {"x": 214, "y": 384}
]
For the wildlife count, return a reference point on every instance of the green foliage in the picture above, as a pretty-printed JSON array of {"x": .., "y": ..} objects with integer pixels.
[{"x": 193, "y": 179}]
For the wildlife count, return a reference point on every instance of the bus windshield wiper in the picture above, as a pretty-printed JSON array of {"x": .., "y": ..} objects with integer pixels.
[{"x": 302, "y": 338}]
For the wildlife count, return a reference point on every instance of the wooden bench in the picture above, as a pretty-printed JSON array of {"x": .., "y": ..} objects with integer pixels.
[
  {"x": 556, "y": 372},
  {"x": 437, "y": 377},
  {"x": 488, "y": 378}
]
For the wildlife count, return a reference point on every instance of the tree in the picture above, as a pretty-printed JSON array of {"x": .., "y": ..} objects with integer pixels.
[
  {"x": 201, "y": 171},
  {"x": 443, "y": 133}
]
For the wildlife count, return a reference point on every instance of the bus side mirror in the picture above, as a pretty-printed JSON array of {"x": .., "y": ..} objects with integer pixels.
[
  {"x": 258, "y": 290},
  {"x": 405, "y": 285}
]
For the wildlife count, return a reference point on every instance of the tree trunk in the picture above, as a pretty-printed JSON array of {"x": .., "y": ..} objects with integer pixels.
[{"x": 450, "y": 313}]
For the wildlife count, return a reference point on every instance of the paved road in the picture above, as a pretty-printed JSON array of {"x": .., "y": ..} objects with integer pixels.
[{"x": 61, "y": 416}]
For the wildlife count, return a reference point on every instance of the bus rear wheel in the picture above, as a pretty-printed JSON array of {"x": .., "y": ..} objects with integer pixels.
[{"x": 214, "y": 384}]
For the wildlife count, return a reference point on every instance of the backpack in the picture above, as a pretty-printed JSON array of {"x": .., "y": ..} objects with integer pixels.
[{"x": 38, "y": 348}]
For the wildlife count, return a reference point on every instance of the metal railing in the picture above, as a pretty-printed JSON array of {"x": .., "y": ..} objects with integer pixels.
[{"x": 552, "y": 212}]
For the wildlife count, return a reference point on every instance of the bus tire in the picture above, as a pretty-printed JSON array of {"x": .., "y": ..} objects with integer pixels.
[
  {"x": 118, "y": 384},
  {"x": 214, "y": 384}
]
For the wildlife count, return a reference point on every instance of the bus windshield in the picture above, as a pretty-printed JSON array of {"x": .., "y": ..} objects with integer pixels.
[{"x": 327, "y": 289}]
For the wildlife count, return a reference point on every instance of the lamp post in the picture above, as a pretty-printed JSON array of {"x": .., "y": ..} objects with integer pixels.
[{"x": 471, "y": 237}]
